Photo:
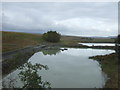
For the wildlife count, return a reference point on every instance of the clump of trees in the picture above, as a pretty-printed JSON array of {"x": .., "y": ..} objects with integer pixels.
[
  {"x": 51, "y": 36},
  {"x": 118, "y": 45},
  {"x": 118, "y": 40}
]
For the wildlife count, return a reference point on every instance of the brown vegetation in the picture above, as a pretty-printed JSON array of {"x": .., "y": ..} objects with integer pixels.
[{"x": 15, "y": 40}]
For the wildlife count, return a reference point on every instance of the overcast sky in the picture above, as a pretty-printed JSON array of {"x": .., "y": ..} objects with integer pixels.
[{"x": 78, "y": 18}]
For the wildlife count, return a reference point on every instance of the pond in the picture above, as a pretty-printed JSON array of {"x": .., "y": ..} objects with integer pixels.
[
  {"x": 98, "y": 44},
  {"x": 71, "y": 68}
]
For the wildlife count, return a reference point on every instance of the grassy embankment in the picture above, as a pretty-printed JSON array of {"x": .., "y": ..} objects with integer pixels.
[
  {"x": 14, "y": 40},
  {"x": 72, "y": 41},
  {"x": 13, "y": 63},
  {"x": 109, "y": 65}
]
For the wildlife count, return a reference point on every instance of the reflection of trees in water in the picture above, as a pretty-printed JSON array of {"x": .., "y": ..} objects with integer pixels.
[
  {"x": 30, "y": 77},
  {"x": 51, "y": 51}
]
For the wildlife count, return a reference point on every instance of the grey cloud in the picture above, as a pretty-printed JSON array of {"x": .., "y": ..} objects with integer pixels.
[{"x": 97, "y": 19}]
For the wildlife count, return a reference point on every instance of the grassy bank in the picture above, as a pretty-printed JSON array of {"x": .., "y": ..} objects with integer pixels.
[
  {"x": 13, "y": 63},
  {"x": 109, "y": 64},
  {"x": 88, "y": 39},
  {"x": 16, "y": 40}
]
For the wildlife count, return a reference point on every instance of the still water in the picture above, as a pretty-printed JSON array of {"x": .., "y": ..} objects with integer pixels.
[
  {"x": 98, "y": 44},
  {"x": 71, "y": 68}
]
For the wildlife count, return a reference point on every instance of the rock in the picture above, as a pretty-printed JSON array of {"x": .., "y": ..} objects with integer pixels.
[{"x": 63, "y": 49}]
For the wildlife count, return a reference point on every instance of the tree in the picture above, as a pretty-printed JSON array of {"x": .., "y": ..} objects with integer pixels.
[
  {"x": 118, "y": 39},
  {"x": 51, "y": 36},
  {"x": 30, "y": 77},
  {"x": 118, "y": 46}
]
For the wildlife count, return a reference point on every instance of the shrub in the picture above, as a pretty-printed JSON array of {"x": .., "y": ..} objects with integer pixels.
[
  {"x": 51, "y": 36},
  {"x": 30, "y": 77},
  {"x": 118, "y": 39}
]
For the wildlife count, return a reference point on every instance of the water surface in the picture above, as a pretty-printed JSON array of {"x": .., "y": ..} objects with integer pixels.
[
  {"x": 98, "y": 44},
  {"x": 71, "y": 68}
]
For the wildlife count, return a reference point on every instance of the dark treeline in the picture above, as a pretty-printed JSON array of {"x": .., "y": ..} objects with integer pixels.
[
  {"x": 118, "y": 47},
  {"x": 118, "y": 40}
]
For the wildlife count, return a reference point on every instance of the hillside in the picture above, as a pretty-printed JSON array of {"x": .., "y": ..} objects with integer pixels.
[
  {"x": 17, "y": 40},
  {"x": 89, "y": 39}
]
